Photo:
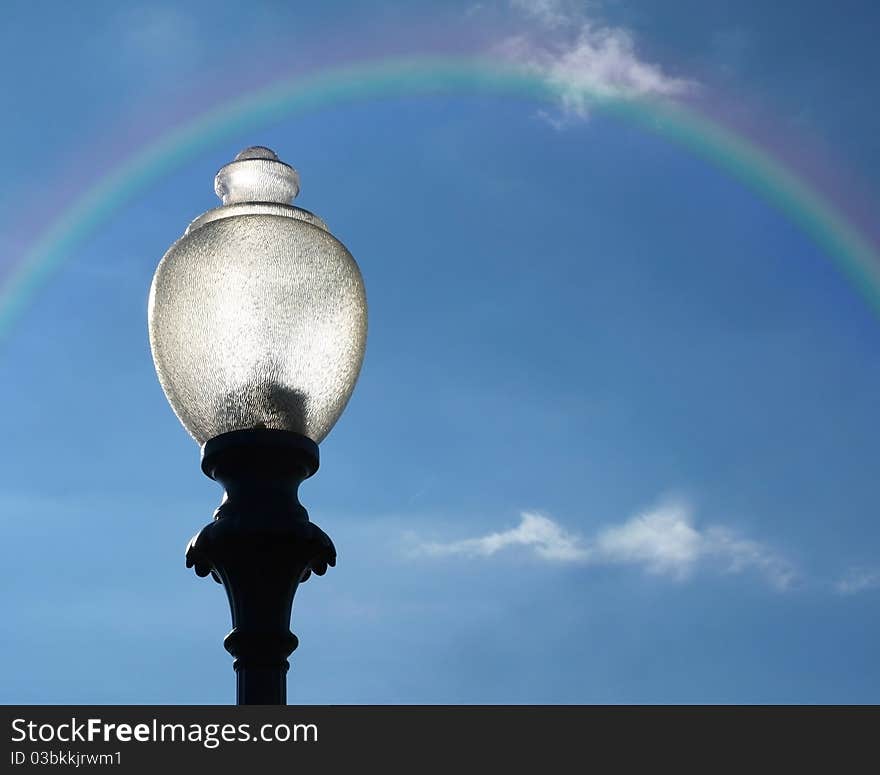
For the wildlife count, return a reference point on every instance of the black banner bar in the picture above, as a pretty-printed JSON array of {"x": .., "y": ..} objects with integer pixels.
[{"x": 415, "y": 739}]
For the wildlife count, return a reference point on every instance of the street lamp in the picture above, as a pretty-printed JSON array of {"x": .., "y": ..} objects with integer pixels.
[{"x": 258, "y": 324}]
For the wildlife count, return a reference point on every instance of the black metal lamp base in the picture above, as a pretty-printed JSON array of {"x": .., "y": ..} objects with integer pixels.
[{"x": 260, "y": 546}]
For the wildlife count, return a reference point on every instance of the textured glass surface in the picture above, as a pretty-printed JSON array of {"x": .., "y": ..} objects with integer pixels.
[
  {"x": 256, "y": 175},
  {"x": 258, "y": 319}
]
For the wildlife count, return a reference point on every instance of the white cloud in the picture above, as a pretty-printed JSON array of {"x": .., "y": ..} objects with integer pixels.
[
  {"x": 549, "y": 541},
  {"x": 663, "y": 541},
  {"x": 583, "y": 58},
  {"x": 858, "y": 580}
]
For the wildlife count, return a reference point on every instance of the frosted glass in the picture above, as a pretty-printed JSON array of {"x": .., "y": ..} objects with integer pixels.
[{"x": 257, "y": 315}]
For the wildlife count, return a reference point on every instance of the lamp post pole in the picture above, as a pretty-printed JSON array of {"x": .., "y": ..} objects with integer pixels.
[
  {"x": 260, "y": 546},
  {"x": 257, "y": 321}
]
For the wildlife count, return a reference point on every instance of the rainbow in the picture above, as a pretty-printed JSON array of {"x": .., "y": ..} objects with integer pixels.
[{"x": 850, "y": 249}]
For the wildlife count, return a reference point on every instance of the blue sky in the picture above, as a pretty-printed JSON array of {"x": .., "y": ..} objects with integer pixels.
[{"x": 615, "y": 438}]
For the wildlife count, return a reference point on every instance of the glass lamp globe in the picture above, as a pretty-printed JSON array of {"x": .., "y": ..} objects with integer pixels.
[{"x": 257, "y": 314}]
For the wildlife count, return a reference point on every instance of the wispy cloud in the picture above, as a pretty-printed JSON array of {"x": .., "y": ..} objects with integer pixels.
[
  {"x": 663, "y": 541},
  {"x": 548, "y": 540},
  {"x": 549, "y": 13},
  {"x": 584, "y": 58},
  {"x": 858, "y": 580}
]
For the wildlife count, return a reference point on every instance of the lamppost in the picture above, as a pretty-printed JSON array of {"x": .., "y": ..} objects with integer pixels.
[{"x": 258, "y": 323}]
